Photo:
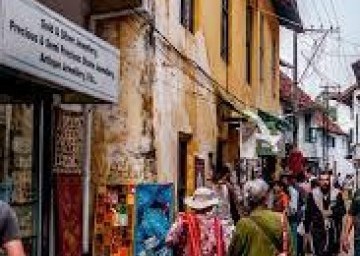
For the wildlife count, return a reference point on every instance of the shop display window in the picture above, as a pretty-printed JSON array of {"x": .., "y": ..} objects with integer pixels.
[{"x": 18, "y": 180}]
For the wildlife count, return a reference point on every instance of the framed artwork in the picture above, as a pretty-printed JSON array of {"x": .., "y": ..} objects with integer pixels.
[{"x": 153, "y": 219}]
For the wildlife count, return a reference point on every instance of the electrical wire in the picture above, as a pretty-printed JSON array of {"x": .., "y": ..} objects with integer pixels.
[
  {"x": 335, "y": 13},
  {"x": 327, "y": 13},
  {"x": 341, "y": 59},
  {"x": 314, "y": 54},
  {"x": 306, "y": 11},
  {"x": 194, "y": 63},
  {"x": 349, "y": 42},
  {"x": 319, "y": 73},
  {"x": 192, "y": 93},
  {"x": 333, "y": 54},
  {"x": 317, "y": 12}
]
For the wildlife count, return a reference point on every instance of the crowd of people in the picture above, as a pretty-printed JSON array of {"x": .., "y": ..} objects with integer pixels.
[{"x": 297, "y": 214}]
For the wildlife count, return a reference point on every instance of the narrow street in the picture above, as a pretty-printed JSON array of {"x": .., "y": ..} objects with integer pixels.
[{"x": 148, "y": 127}]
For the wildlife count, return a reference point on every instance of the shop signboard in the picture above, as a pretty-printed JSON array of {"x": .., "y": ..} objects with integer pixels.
[{"x": 42, "y": 43}]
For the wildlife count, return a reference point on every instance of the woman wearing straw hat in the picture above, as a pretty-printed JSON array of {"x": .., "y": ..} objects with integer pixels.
[
  {"x": 264, "y": 232},
  {"x": 199, "y": 232}
]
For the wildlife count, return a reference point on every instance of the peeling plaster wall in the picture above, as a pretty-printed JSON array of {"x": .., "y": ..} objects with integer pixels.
[
  {"x": 123, "y": 150},
  {"x": 183, "y": 97},
  {"x": 162, "y": 95}
]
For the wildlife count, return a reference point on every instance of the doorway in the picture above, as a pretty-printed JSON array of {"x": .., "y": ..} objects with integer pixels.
[{"x": 182, "y": 170}]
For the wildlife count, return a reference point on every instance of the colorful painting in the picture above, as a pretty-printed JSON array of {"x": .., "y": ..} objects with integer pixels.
[
  {"x": 114, "y": 220},
  {"x": 154, "y": 215}
]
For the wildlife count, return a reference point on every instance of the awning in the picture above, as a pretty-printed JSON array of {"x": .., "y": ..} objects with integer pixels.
[
  {"x": 229, "y": 100},
  {"x": 264, "y": 149},
  {"x": 273, "y": 122},
  {"x": 264, "y": 135}
]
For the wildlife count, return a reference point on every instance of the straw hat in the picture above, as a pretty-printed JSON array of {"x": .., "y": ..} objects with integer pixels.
[{"x": 202, "y": 198}]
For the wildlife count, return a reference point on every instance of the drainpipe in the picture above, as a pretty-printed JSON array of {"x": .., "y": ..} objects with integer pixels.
[{"x": 87, "y": 112}]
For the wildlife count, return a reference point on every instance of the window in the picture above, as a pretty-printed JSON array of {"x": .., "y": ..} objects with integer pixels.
[
  {"x": 187, "y": 14},
  {"x": 182, "y": 181},
  {"x": 249, "y": 39},
  {"x": 309, "y": 133},
  {"x": 225, "y": 30},
  {"x": 262, "y": 49},
  {"x": 331, "y": 141},
  {"x": 273, "y": 68}
]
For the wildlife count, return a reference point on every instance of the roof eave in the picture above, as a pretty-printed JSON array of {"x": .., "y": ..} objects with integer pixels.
[{"x": 288, "y": 14}]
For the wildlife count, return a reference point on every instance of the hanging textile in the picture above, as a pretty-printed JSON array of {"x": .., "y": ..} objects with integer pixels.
[
  {"x": 68, "y": 141},
  {"x": 69, "y": 132},
  {"x": 68, "y": 196}
]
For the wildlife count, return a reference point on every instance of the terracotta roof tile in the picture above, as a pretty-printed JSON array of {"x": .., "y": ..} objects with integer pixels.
[{"x": 304, "y": 102}]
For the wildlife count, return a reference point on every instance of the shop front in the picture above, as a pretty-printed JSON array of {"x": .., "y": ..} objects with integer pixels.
[{"x": 45, "y": 62}]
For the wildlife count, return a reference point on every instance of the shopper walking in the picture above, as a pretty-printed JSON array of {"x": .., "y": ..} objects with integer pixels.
[
  {"x": 199, "y": 232},
  {"x": 353, "y": 220},
  {"x": 281, "y": 198},
  {"x": 264, "y": 232},
  {"x": 225, "y": 190},
  {"x": 324, "y": 212},
  {"x": 9, "y": 231}
]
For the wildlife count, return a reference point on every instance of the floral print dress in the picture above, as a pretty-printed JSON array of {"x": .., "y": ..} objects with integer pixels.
[{"x": 179, "y": 234}]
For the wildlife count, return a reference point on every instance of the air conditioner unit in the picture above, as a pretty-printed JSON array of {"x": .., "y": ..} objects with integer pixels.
[{"x": 125, "y": 7}]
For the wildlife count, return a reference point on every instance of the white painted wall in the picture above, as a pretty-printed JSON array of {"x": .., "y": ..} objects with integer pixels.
[{"x": 315, "y": 150}]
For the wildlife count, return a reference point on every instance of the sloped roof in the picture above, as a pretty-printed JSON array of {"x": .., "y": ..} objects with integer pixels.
[
  {"x": 346, "y": 96},
  {"x": 288, "y": 14},
  {"x": 304, "y": 102},
  {"x": 324, "y": 122}
]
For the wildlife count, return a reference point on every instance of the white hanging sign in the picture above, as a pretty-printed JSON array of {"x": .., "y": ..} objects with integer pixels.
[{"x": 42, "y": 43}]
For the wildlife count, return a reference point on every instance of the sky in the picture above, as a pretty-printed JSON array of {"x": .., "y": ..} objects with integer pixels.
[{"x": 332, "y": 63}]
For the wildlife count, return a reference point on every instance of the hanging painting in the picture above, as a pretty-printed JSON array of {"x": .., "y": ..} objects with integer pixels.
[{"x": 154, "y": 215}]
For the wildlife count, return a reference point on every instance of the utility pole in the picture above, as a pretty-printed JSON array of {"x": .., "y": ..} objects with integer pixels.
[
  {"x": 325, "y": 142},
  {"x": 296, "y": 81},
  {"x": 294, "y": 87}
]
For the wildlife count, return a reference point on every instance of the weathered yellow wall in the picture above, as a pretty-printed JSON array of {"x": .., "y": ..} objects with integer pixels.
[
  {"x": 189, "y": 113},
  {"x": 122, "y": 148},
  {"x": 163, "y": 94},
  {"x": 183, "y": 97},
  {"x": 233, "y": 75}
]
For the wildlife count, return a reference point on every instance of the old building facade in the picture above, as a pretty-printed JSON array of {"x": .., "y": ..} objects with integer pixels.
[{"x": 188, "y": 71}]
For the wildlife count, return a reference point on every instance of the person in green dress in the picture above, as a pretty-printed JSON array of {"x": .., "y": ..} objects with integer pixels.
[{"x": 263, "y": 232}]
